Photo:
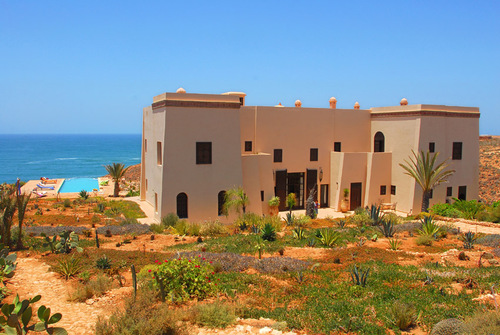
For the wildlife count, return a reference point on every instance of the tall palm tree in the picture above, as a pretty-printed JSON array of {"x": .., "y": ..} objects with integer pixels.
[
  {"x": 422, "y": 169},
  {"x": 22, "y": 202},
  {"x": 236, "y": 198},
  {"x": 116, "y": 171}
]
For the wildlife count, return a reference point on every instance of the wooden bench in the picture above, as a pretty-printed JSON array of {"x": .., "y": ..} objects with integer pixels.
[{"x": 388, "y": 206}]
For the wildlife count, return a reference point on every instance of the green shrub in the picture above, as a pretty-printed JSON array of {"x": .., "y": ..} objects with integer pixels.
[
  {"x": 248, "y": 220},
  {"x": 469, "y": 208},
  {"x": 181, "y": 227},
  {"x": 67, "y": 203},
  {"x": 404, "y": 315},
  {"x": 446, "y": 210},
  {"x": 425, "y": 240},
  {"x": 141, "y": 316},
  {"x": 361, "y": 219},
  {"x": 157, "y": 228},
  {"x": 301, "y": 221},
  {"x": 169, "y": 220},
  {"x": 485, "y": 322},
  {"x": 429, "y": 227},
  {"x": 194, "y": 229},
  {"x": 214, "y": 315},
  {"x": 93, "y": 288},
  {"x": 212, "y": 228},
  {"x": 103, "y": 263},
  {"x": 329, "y": 237},
  {"x": 186, "y": 278}
]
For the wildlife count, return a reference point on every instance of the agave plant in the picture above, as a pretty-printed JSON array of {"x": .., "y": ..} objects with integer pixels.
[
  {"x": 268, "y": 232},
  {"x": 429, "y": 227},
  {"x": 387, "y": 227},
  {"x": 69, "y": 267},
  {"x": 376, "y": 215},
  {"x": 394, "y": 244},
  {"x": 299, "y": 233},
  {"x": 359, "y": 276},
  {"x": 469, "y": 239},
  {"x": 329, "y": 237}
]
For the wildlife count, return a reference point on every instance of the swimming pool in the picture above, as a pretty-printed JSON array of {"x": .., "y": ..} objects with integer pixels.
[{"x": 75, "y": 185}]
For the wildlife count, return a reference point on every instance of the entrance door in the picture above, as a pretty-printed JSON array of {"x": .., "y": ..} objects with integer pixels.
[
  {"x": 296, "y": 185},
  {"x": 356, "y": 191},
  {"x": 312, "y": 183},
  {"x": 280, "y": 189},
  {"x": 324, "y": 196}
]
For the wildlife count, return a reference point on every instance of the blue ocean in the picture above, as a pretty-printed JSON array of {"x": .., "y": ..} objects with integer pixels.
[{"x": 64, "y": 156}]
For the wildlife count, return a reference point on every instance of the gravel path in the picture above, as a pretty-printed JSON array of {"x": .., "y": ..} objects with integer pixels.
[{"x": 33, "y": 277}]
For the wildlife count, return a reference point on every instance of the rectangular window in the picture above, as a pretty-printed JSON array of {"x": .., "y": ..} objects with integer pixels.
[
  {"x": 337, "y": 146},
  {"x": 449, "y": 191},
  {"x": 248, "y": 146},
  {"x": 457, "y": 150},
  {"x": 261, "y": 195},
  {"x": 313, "y": 155},
  {"x": 383, "y": 189},
  {"x": 159, "y": 154},
  {"x": 278, "y": 155},
  {"x": 156, "y": 202},
  {"x": 432, "y": 146},
  {"x": 145, "y": 145},
  {"x": 393, "y": 189},
  {"x": 203, "y": 152},
  {"x": 146, "y": 184},
  {"x": 432, "y": 194},
  {"x": 462, "y": 193}
]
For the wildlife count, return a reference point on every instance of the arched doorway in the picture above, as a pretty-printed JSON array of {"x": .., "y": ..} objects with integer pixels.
[
  {"x": 379, "y": 142},
  {"x": 182, "y": 205}
]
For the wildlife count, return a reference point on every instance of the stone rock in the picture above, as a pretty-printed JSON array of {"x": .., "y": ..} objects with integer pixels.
[
  {"x": 493, "y": 261},
  {"x": 265, "y": 330},
  {"x": 487, "y": 255}
]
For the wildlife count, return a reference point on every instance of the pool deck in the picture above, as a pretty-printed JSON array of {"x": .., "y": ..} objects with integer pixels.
[{"x": 31, "y": 187}]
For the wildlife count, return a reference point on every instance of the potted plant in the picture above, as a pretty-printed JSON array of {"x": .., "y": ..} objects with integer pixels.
[
  {"x": 344, "y": 205},
  {"x": 274, "y": 203}
]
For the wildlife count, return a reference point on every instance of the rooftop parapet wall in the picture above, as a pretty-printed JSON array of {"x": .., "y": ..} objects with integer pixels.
[
  {"x": 196, "y": 100},
  {"x": 425, "y": 110}
]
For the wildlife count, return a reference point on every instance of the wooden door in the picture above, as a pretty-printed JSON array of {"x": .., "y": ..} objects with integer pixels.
[
  {"x": 356, "y": 190},
  {"x": 280, "y": 189},
  {"x": 312, "y": 183}
]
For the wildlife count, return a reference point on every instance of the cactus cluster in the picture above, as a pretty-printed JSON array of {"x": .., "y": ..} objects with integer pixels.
[
  {"x": 68, "y": 240},
  {"x": 7, "y": 262},
  {"x": 16, "y": 318},
  {"x": 359, "y": 276}
]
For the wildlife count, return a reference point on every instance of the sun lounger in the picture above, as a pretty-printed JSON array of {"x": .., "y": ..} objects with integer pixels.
[
  {"x": 40, "y": 194},
  {"x": 48, "y": 181},
  {"x": 43, "y": 186}
]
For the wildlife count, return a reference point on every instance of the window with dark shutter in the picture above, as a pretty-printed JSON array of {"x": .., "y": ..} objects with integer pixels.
[
  {"x": 449, "y": 191},
  {"x": 203, "y": 152},
  {"x": 182, "y": 205},
  {"x": 432, "y": 146},
  {"x": 457, "y": 151},
  {"x": 383, "y": 189},
  {"x": 248, "y": 146},
  {"x": 278, "y": 155},
  {"x": 337, "y": 146},
  {"x": 393, "y": 189},
  {"x": 313, "y": 155}
]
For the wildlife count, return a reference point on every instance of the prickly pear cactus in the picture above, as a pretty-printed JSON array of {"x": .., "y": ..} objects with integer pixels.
[{"x": 449, "y": 327}]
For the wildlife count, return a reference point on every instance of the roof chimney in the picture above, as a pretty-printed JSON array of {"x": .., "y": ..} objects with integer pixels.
[{"x": 333, "y": 103}]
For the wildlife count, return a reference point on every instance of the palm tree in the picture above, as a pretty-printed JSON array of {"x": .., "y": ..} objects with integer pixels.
[
  {"x": 116, "y": 171},
  {"x": 422, "y": 169},
  {"x": 235, "y": 198},
  {"x": 22, "y": 202},
  {"x": 8, "y": 207}
]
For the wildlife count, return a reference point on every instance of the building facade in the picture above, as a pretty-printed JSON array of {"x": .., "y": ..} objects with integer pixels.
[{"x": 197, "y": 146}]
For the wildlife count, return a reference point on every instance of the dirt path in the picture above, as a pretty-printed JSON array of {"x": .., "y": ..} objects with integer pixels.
[
  {"x": 475, "y": 227},
  {"x": 33, "y": 277}
]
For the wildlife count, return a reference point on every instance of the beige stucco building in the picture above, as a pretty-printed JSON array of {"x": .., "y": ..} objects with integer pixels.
[{"x": 197, "y": 146}]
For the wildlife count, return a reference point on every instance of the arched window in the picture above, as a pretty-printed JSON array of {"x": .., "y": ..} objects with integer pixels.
[
  {"x": 221, "y": 197},
  {"x": 182, "y": 205},
  {"x": 379, "y": 142}
]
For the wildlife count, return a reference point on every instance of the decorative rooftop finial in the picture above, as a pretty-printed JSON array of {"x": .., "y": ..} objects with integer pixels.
[
  {"x": 333, "y": 103},
  {"x": 298, "y": 103},
  {"x": 356, "y": 105},
  {"x": 403, "y": 102},
  {"x": 279, "y": 105},
  {"x": 180, "y": 90}
]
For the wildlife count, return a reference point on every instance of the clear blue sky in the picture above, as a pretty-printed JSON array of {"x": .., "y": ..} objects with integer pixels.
[{"x": 91, "y": 66}]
